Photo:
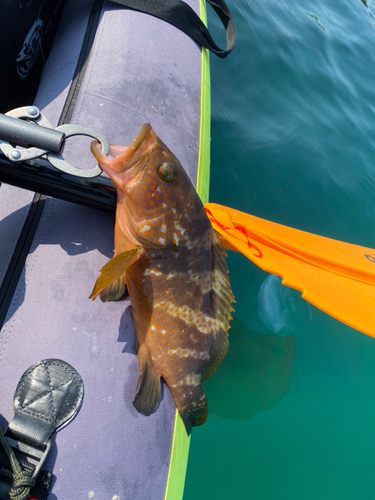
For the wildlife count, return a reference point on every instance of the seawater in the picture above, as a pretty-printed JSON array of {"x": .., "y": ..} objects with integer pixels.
[{"x": 292, "y": 408}]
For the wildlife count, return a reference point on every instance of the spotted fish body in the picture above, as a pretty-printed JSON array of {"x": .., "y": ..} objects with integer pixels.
[{"x": 173, "y": 264}]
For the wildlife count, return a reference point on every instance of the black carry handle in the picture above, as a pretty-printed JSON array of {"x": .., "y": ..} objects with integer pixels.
[{"x": 181, "y": 15}]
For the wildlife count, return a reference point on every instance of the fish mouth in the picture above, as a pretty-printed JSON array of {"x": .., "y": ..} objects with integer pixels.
[{"x": 136, "y": 155}]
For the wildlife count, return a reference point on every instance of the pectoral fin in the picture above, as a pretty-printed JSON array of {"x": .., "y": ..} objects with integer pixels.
[
  {"x": 114, "y": 270},
  {"x": 221, "y": 300},
  {"x": 114, "y": 291}
]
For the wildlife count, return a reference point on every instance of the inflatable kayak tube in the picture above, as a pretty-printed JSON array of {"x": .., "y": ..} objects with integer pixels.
[{"x": 110, "y": 69}]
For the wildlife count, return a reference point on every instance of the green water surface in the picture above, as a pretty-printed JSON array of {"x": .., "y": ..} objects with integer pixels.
[{"x": 292, "y": 407}]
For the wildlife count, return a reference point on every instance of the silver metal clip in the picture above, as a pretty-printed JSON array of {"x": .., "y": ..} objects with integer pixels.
[{"x": 45, "y": 140}]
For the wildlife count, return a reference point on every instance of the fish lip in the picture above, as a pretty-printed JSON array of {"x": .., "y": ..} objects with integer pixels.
[
  {"x": 131, "y": 157},
  {"x": 140, "y": 137}
]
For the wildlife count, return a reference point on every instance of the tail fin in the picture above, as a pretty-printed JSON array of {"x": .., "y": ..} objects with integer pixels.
[{"x": 193, "y": 409}]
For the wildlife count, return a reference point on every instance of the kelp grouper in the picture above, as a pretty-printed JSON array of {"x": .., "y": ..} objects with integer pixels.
[{"x": 172, "y": 261}]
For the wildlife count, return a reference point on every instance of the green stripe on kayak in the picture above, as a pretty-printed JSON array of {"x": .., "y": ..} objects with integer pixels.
[
  {"x": 178, "y": 461},
  {"x": 203, "y": 175},
  {"x": 180, "y": 444}
]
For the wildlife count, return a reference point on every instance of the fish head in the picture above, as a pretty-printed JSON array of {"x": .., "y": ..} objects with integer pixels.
[{"x": 153, "y": 190}]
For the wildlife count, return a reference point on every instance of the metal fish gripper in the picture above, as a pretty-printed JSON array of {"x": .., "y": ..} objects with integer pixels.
[{"x": 16, "y": 129}]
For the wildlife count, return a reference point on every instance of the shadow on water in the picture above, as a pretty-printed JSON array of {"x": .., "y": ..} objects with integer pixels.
[{"x": 258, "y": 366}]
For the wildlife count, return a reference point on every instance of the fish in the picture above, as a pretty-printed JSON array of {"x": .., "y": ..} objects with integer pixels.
[{"x": 173, "y": 264}]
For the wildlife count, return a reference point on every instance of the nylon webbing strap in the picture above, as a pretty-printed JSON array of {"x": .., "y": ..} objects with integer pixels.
[{"x": 183, "y": 17}]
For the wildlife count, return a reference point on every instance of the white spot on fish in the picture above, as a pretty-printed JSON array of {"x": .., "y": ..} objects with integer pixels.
[
  {"x": 184, "y": 353},
  {"x": 176, "y": 239},
  {"x": 162, "y": 241},
  {"x": 163, "y": 227},
  {"x": 115, "y": 497},
  {"x": 191, "y": 379},
  {"x": 90, "y": 494},
  {"x": 205, "y": 324},
  {"x": 148, "y": 272},
  {"x": 179, "y": 228},
  {"x": 144, "y": 228}
]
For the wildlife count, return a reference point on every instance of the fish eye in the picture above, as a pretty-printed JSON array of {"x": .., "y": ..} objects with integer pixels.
[{"x": 167, "y": 172}]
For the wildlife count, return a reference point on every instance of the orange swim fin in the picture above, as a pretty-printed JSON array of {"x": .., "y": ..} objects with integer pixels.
[{"x": 336, "y": 277}]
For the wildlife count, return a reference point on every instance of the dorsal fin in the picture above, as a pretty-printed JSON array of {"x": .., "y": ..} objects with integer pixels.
[{"x": 221, "y": 299}]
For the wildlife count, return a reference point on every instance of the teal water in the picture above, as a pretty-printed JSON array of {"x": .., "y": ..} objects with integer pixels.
[{"x": 292, "y": 408}]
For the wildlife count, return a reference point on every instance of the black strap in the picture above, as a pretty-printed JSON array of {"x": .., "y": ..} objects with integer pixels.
[{"x": 181, "y": 15}]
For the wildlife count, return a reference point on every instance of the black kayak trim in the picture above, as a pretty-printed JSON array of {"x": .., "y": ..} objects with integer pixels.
[
  {"x": 83, "y": 59},
  {"x": 20, "y": 253}
]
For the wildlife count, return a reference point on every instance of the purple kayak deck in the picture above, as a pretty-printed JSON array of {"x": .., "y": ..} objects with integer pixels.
[{"x": 140, "y": 69}]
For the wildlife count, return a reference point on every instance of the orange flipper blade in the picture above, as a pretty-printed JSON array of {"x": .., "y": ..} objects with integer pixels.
[{"x": 336, "y": 277}]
